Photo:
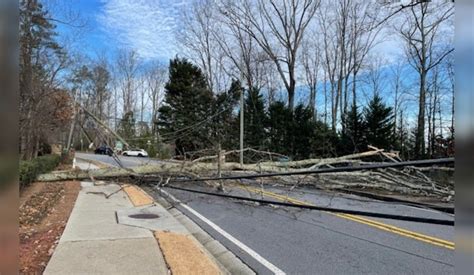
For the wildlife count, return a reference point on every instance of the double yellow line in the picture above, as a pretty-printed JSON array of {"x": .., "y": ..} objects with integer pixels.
[{"x": 369, "y": 222}]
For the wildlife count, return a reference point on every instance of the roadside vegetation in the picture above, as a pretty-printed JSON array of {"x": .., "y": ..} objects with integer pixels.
[
  {"x": 30, "y": 169},
  {"x": 317, "y": 88}
]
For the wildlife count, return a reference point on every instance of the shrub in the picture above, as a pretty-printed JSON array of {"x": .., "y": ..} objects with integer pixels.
[
  {"x": 165, "y": 151},
  {"x": 30, "y": 169}
]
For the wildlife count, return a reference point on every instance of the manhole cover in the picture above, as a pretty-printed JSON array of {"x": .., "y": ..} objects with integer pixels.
[{"x": 144, "y": 216}]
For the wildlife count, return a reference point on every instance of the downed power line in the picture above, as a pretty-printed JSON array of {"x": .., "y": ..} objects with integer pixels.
[
  {"x": 442, "y": 161},
  {"x": 321, "y": 208}
]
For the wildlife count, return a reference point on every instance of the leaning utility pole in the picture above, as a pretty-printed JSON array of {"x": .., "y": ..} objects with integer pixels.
[{"x": 98, "y": 121}]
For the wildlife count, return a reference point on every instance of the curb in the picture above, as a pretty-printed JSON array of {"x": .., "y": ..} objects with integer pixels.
[{"x": 226, "y": 260}]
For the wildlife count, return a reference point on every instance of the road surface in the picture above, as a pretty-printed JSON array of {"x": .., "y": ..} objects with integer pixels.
[
  {"x": 274, "y": 239},
  {"x": 126, "y": 161}
]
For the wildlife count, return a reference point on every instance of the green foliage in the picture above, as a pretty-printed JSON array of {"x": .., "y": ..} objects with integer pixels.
[
  {"x": 188, "y": 101},
  {"x": 301, "y": 132},
  {"x": 224, "y": 122},
  {"x": 279, "y": 124},
  {"x": 379, "y": 123},
  {"x": 192, "y": 116},
  {"x": 164, "y": 151},
  {"x": 30, "y": 169},
  {"x": 147, "y": 142},
  {"x": 297, "y": 134},
  {"x": 324, "y": 141},
  {"x": 353, "y": 134},
  {"x": 254, "y": 119}
]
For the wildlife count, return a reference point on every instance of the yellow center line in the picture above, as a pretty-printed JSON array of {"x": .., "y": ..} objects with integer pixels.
[{"x": 369, "y": 222}]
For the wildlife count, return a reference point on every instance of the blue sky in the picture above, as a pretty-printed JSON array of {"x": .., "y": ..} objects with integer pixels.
[{"x": 147, "y": 26}]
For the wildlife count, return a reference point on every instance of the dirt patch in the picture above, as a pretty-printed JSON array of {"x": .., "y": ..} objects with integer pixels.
[
  {"x": 183, "y": 255},
  {"x": 43, "y": 214},
  {"x": 137, "y": 195}
]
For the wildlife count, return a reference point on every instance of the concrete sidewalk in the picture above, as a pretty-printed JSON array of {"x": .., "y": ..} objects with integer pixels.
[{"x": 94, "y": 243}]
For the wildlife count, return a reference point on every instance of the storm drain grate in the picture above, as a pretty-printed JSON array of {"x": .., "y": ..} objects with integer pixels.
[{"x": 144, "y": 216}]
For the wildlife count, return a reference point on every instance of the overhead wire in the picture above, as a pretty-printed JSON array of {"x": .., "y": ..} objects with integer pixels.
[
  {"x": 322, "y": 208},
  {"x": 442, "y": 161}
]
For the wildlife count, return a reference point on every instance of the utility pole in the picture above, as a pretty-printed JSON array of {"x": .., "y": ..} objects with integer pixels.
[
  {"x": 241, "y": 124},
  {"x": 73, "y": 122},
  {"x": 219, "y": 165}
]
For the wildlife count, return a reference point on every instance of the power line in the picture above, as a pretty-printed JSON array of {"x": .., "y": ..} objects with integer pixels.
[
  {"x": 189, "y": 129},
  {"x": 442, "y": 161},
  {"x": 327, "y": 209},
  {"x": 195, "y": 124}
]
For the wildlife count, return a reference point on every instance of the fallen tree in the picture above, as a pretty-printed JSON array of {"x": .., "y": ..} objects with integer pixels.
[{"x": 408, "y": 180}]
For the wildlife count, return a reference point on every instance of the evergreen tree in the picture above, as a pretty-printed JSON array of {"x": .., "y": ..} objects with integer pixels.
[
  {"x": 38, "y": 49},
  {"x": 301, "y": 132},
  {"x": 279, "y": 127},
  {"x": 324, "y": 141},
  {"x": 254, "y": 119},
  {"x": 352, "y": 137},
  {"x": 225, "y": 120},
  {"x": 188, "y": 101},
  {"x": 379, "y": 124}
]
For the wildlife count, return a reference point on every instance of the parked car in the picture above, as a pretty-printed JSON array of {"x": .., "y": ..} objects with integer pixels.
[
  {"x": 135, "y": 153},
  {"x": 104, "y": 150}
]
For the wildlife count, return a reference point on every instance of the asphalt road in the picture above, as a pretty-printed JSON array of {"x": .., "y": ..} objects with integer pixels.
[
  {"x": 126, "y": 161},
  {"x": 300, "y": 241}
]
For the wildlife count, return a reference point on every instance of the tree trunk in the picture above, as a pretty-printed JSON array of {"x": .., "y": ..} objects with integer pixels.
[
  {"x": 420, "y": 134},
  {"x": 312, "y": 101},
  {"x": 291, "y": 92}
]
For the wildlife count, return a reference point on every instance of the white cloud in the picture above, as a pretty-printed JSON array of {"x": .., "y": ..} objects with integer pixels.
[{"x": 146, "y": 26}]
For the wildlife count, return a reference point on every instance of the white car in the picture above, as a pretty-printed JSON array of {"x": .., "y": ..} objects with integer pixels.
[{"x": 135, "y": 153}]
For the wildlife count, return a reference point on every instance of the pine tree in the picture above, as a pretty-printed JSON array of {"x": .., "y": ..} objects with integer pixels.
[
  {"x": 188, "y": 101},
  {"x": 379, "y": 124},
  {"x": 279, "y": 127},
  {"x": 225, "y": 127},
  {"x": 37, "y": 48},
  {"x": 324, "y": 141},
  {"x": 254, "y": 119},
  {"x": 302, "y": 132},
  {"x": 352, "y": 137}
]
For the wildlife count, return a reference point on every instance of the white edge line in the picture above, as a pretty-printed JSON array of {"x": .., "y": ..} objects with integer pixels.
[{"x": 221, "y": 231}]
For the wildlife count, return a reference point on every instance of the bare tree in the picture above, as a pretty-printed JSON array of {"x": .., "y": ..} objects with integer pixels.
[
  {"x": 127, "y": 69},
  {"x": 348, "y": 34},
  {"x": 155, "y": 78},
  {"x": 100, "y": 78},
  {"x": 375, "y": 78},
  {"x": 451, "y": 78},
  {"x": 398, "y": 89},
  {"x": 278, "y": 27},
  {"x": 333, "y": 22},
  {"x": 41, "y": 62},
  {"x": 311, "y": 60},
  {"x": 420, "y": 30},
  {"x": 198, "y": 36},
  {"x": 247, "y": 61},
  {"x": 363, "y": 37}
]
